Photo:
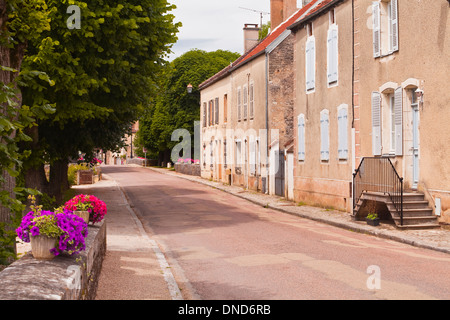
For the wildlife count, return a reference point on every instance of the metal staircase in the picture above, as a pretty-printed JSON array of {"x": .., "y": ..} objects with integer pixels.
[{"x": 377, "y": 180}]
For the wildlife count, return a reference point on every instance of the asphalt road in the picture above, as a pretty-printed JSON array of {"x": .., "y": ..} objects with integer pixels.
[{"x": 223, "y": 247}]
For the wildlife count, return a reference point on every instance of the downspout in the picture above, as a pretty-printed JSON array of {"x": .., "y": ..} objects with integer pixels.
[{"x": 267, "y": 122}]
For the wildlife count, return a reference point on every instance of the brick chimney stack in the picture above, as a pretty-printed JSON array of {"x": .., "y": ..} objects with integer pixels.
[
  {"x": 280, "y": 10},
  {"x": 251, "y": 35}
]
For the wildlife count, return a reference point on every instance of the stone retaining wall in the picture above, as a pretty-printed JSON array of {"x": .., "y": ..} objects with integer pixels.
[
  {"x": 190, "y": 169},
  {"x": 64, "y": 278}
]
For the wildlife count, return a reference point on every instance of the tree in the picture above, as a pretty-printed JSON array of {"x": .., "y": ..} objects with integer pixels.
[
  {"x": 175, "y": 108},
  {"x": 103, "y": 75},
  {"x": 20, "y": 21},
  {"x": 264, "y": 31}
]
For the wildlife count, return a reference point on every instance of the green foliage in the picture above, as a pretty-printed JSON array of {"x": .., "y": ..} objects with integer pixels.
[
  {"x": 48, "y": 226},
  {"x": 372, "y": 216},
  {"x": 174, "y": 108},
  {"x": 264, "y": 31},
  {"x": 72, "y": 172}
]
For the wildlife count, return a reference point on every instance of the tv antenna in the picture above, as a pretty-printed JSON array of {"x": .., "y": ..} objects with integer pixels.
[{"x": 260, "y": 12}]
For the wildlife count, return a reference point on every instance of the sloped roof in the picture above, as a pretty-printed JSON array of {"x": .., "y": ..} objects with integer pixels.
[{"x": 261, "y": 47}]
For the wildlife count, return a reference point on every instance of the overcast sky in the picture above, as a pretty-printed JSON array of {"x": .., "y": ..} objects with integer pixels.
[{"x": 211, "y": 24}]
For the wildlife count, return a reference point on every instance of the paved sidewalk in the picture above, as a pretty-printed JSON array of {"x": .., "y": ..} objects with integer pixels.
[{"x": 434, "y": 239}]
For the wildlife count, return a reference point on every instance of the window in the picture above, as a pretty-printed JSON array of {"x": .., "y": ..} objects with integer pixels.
[
  {"x": 387, "y": 122},
  {"x": 301, "y": 137},
  {"x": 204, "y": 114},
  {"x": 343, "y": 132},
  {"x": 310, "y": 60},
  {"x": 385, "y": 27},
  {"x": 252, "y": 147},
  {"x": 225, "y": 108},
  {"x": 238, "y": 155},
  {"x": 216, "y": 111},
  {"x": 245, "y": 98},
  {"x": 210, "y": 113},
  {"x": 332, "y": 54},
  {"x": 252, "y": 100},
  {"x": 324, "y": 135},
  {"x": 239, "y": 101}
]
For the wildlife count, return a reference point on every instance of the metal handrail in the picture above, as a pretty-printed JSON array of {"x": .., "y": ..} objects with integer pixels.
[{"x": 378, "y": 175}]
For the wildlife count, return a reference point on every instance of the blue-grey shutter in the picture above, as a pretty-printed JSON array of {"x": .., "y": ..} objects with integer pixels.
[
  {"x": 343, "y": 133},
  {"x": 376, "y": 123},
  {"x": 310, "y": 63},
  {"x": 252, "y": 155},
  {"x": 301, "y": 137},
  {"x": 398, "y": 109},
  {"x": 332, "y": 68},
  {"x": 216, "y": 111},
  {"x": 376, "y": 24},
  {"x": 325, "y": 136}
]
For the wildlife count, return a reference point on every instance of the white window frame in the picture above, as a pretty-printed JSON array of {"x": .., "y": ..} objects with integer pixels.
[
  {"x": 245, "y": 101},
  {"x": 385, "y": 27},
  {"x": 252, "y": 101}
]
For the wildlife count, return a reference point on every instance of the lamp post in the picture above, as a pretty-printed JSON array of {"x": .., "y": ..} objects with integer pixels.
[{"x": 189, "y": 88}]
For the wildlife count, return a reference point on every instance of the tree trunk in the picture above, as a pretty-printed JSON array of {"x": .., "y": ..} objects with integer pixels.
[{"x": 59, "y": 182}]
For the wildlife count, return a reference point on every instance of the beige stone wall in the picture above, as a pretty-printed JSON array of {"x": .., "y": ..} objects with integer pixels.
[
  {"x": 422, "y": 61},
  {"x": 324, "y": 183}
]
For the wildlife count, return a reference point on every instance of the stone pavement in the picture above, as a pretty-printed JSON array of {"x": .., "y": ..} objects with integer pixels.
[{"x": 435, "y": 239}]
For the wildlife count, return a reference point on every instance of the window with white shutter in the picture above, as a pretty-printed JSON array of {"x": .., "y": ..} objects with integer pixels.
[
  {"x": 252, "y": 101},
  {"x": 204, "y": 114},
  {"x": 332, "y": 54},
  {"x": 301, "y": 137},
  {"x": 216, "y": 111},
  {"x": 343, "y": 132},
  {"x": 324, "y": 135},
  {"x": 245, "y": 99},
  {"x": 252, "y": 147},
  {"x": 239, "y": 101},
  {"x": 376, "y": 24},
  {"x": 376, "y": 123},
  {"x": 310, "y": 59},
  {"x": 398, "y": 121},
  {"x": 393, "y": 25}
]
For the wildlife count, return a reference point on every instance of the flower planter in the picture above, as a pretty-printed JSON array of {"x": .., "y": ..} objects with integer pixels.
[
  {"x": 373, "y": 222},
  {"x": 41, "y": 246},
  {"x": 83, "y": 214}
]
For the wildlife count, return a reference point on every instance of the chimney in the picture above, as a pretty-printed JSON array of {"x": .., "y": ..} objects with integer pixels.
[
  {"x": 280, "y": 10},
  {"x": 251, "y": 35}
]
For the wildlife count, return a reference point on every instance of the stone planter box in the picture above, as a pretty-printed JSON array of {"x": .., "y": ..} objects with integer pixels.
[
  {"x": 189, "y": 169},
  {"x": 63, "y": 278}
]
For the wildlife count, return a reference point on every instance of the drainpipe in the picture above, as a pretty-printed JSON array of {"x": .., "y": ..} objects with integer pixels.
[{"x": 267, "y": 122}]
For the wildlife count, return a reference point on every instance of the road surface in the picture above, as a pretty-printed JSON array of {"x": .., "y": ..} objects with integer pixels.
[{"x": 220, "y": 246}]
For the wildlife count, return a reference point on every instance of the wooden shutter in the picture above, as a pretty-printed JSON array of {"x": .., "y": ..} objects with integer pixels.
[
  {"x": 239, "y": 98},
  {"x": 245, "y": 98},
  {"x": 332, "y": 48},
  {"x": 252, "y": 98},
  {"x": 301, "y": 137},
  {"x": 252, "y": 147},
  {"x": 394, "y": 25},
  {"x": 204, "y": 114},
  {"x": 398, "y": 109},
  {"x": 342, "y": 133},
  {"x": 376, "y": 123},
  {"x": 376, "y": 19},
  {"x": 325, "y": 136},
  {"x": 216, "y": 111},
  {"x": 310, "y": 63}
]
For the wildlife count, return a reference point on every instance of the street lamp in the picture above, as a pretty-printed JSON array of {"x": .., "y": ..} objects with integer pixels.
[{"x": 189, "y": 88}]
